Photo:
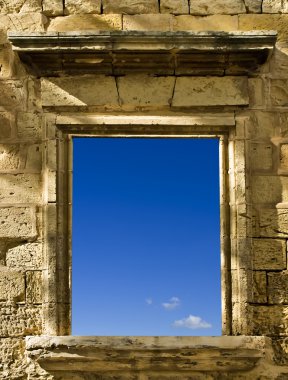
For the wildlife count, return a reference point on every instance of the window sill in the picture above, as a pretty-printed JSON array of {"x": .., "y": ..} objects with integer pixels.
[{"x": 63, "y": 354}]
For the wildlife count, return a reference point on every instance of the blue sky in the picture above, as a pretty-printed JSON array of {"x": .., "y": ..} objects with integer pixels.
[{"x": 146, "y": 250}]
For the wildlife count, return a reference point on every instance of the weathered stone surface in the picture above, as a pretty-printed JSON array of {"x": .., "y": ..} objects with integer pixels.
[
  {"x": 265, "y": 22},
  {"x": 273, "y": 222},
  {"x": 7, "y": 63},
  {"x": 275, "y": 6},
  {"x": 85, "y": 22},
  {"x": 284, "y": 156},
  {"x": 52, "y": 7},
  {"x": 268, "y": 320},
  {"x": 25, "y": 256},
  {"x": 262, "y": 125},
  {"x": 278, "y": 64},
  {"x": 261, "y": 156},
  {"x": 269, "y": 254},
  {"x": 20, "y": 188},
  {"x": 269, "y": 189},
  {"x": 256, "y": 92},
  {"x": 98, "y": 90},
  {"x": 12, "y": 285},
  {"x": 14, "y": 94},
  {"x": 14, "y": 6},
  {"x": 203, "y": 7},
  {"x": 259, "y": 287},
  {"x": 253, "y": 6},
  {"x": 34, "y": 287},
  {"x": 174, "y": 6},
  {"x": 78, "y": 6},
  {"x": 29, "y": 126},
  {"x": 278, "y": 287},
  {"x": 5, "y": 125},
  {"x": 154, "y": 22},
  {"x": 10, "y": 156},
  {"x": 130, "y": 6},
  {"x": 12, "y": 364},
  {"x": 279, "y": 92},
  {"x": 214, "y": 22},
  {"x": 20, "y": 320},
  {"x": 205, "y": 91},
  {"x": 34, "y": 157},
  {"x": 26, "y": 22},
  {"x": 143, "y": 90},
  {"x": 17, "y": 223}
]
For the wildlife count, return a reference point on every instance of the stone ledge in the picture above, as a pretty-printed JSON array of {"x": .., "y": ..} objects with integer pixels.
[
  {"x": 121, "y": 52},
  {"x": 115, "y": 354}
]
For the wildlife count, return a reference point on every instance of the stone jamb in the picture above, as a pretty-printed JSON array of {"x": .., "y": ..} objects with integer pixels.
[{"x": 57, "y": 215}]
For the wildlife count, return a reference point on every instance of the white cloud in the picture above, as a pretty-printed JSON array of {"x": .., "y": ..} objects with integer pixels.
[
  {"x": 172, "y": 303},
  {"x": 149, "y": 301},
  {"x": 192, "y": 322}
]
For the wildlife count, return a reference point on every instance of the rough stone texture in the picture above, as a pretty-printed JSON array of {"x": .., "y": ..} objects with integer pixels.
[
  {"x": 273, "y": 222},
  {"x": 214, "y": 22},
  {"x": 253, "y": 6},
  {"x": 269, "y": 320},
  {"x": 161, "y": 22},
  {"x": 6, "y": 126},
  {"x": 78, "y": 6},
  {"x": 269, "y": 254},
  {"x": 275, "y": 6},
  {"x": 265, "y": 22},
  {"x": 34, "y": 287},
  {"x": 19, "y": 320},
  {"x": 142, "y": 90},
  {"x": 130, "y": 6},
  {"x": 269, "y": 189},
  {"x": 29, "y": 126},
  {"x": 52, "y": 7},
  {"x": 279, "y": 93},
  {"x": 12, "y": 285},
  {"x": 20, "y": 188},
  {"x": 10, "y": 156},
  {"x": 278, "y": 287},
  {"x": 14, "y": 6},
  {"x": 210, "y": 91},
  {"x": 284, "y": 156},
  {"x": 14, "y": 94},
  {"x": 25, "y": 256},
  {"x": 17, "y": 223},
  {"x": 261, "y": 156},
  {"x": 174, "y": 6},
  {"x": 85, "y": 22},
  {"x": 203, "y": 7},
  {"x": 98, "y": 90},
  {"x": 259, "y": 287},
  {"x": 12, "y": 363},
  {"x": 26, "y": 22}
]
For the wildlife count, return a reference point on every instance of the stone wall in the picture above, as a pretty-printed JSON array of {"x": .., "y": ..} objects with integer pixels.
[{"x": 29, "y": 191}]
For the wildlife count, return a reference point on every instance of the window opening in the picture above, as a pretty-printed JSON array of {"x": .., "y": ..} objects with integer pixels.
[{"x": 146, "y": 237}]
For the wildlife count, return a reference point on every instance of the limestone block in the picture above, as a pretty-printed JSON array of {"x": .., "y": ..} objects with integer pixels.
[
  {"x": 204, "y": 7},
  {"x": 278, "y": 64},
  {"x": 15, "y": 6},
  {"x": 25, "y": 256},
  {"x": 17, "y": 223},
  {"x": 216, "y": 22},
  {"x": 20, "y": 188},
  {"x": 273, "y": 222},
  {"x": 268, "y": 320},
  {"x": 34, "y": 157},
  {"x": 12, "y": 285},
  {"x": 10, "y": 156},
  {"x": 20, "y": 320},
  {"x": 269, "y": 254},
  {"x": 262, "y": 125},
  {"x": 261, "y": 156},
  {"x": 52, "y": 7},
  {"x": 13, "y": 94},
  {"x": 176, "y": 7},
  {"x": 253, "y": 6},
  {"x": 12, "y": 363},
  {"x": 34, "y": 287},
  {"x": 210, "y": 91},
  {"x": 265, "y": 22},
  {"x": 29, "y": 126},
  {"x": 269, "y": 189},
  {"x": 160, "y": 22},
  {"x": 130, "y": 6},
  {"x": 85, "y": 22},
  {"x": 25, "y": 22},
  {"x": 256, "y": 92},
  {"x": 144, "y": 90},
  {"x": 275, "y": 6},
  {"x": 284, "y": 156},
  {"x": 278, "y": 287},
  {"x": 6, "y": 62},
  {"x": 259, "y": 287},
  {"x": 78, "y": 6},
  {"x": 279, "y": 92},
  {"x": 5, "y": 125},
  {"x": 79, "y": 91}
]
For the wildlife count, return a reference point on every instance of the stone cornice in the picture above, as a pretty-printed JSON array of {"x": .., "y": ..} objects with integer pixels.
[{"x": 163, "y": 53}]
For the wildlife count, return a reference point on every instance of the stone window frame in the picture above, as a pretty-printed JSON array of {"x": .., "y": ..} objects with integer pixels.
[{"x": 234, "y": 207}]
